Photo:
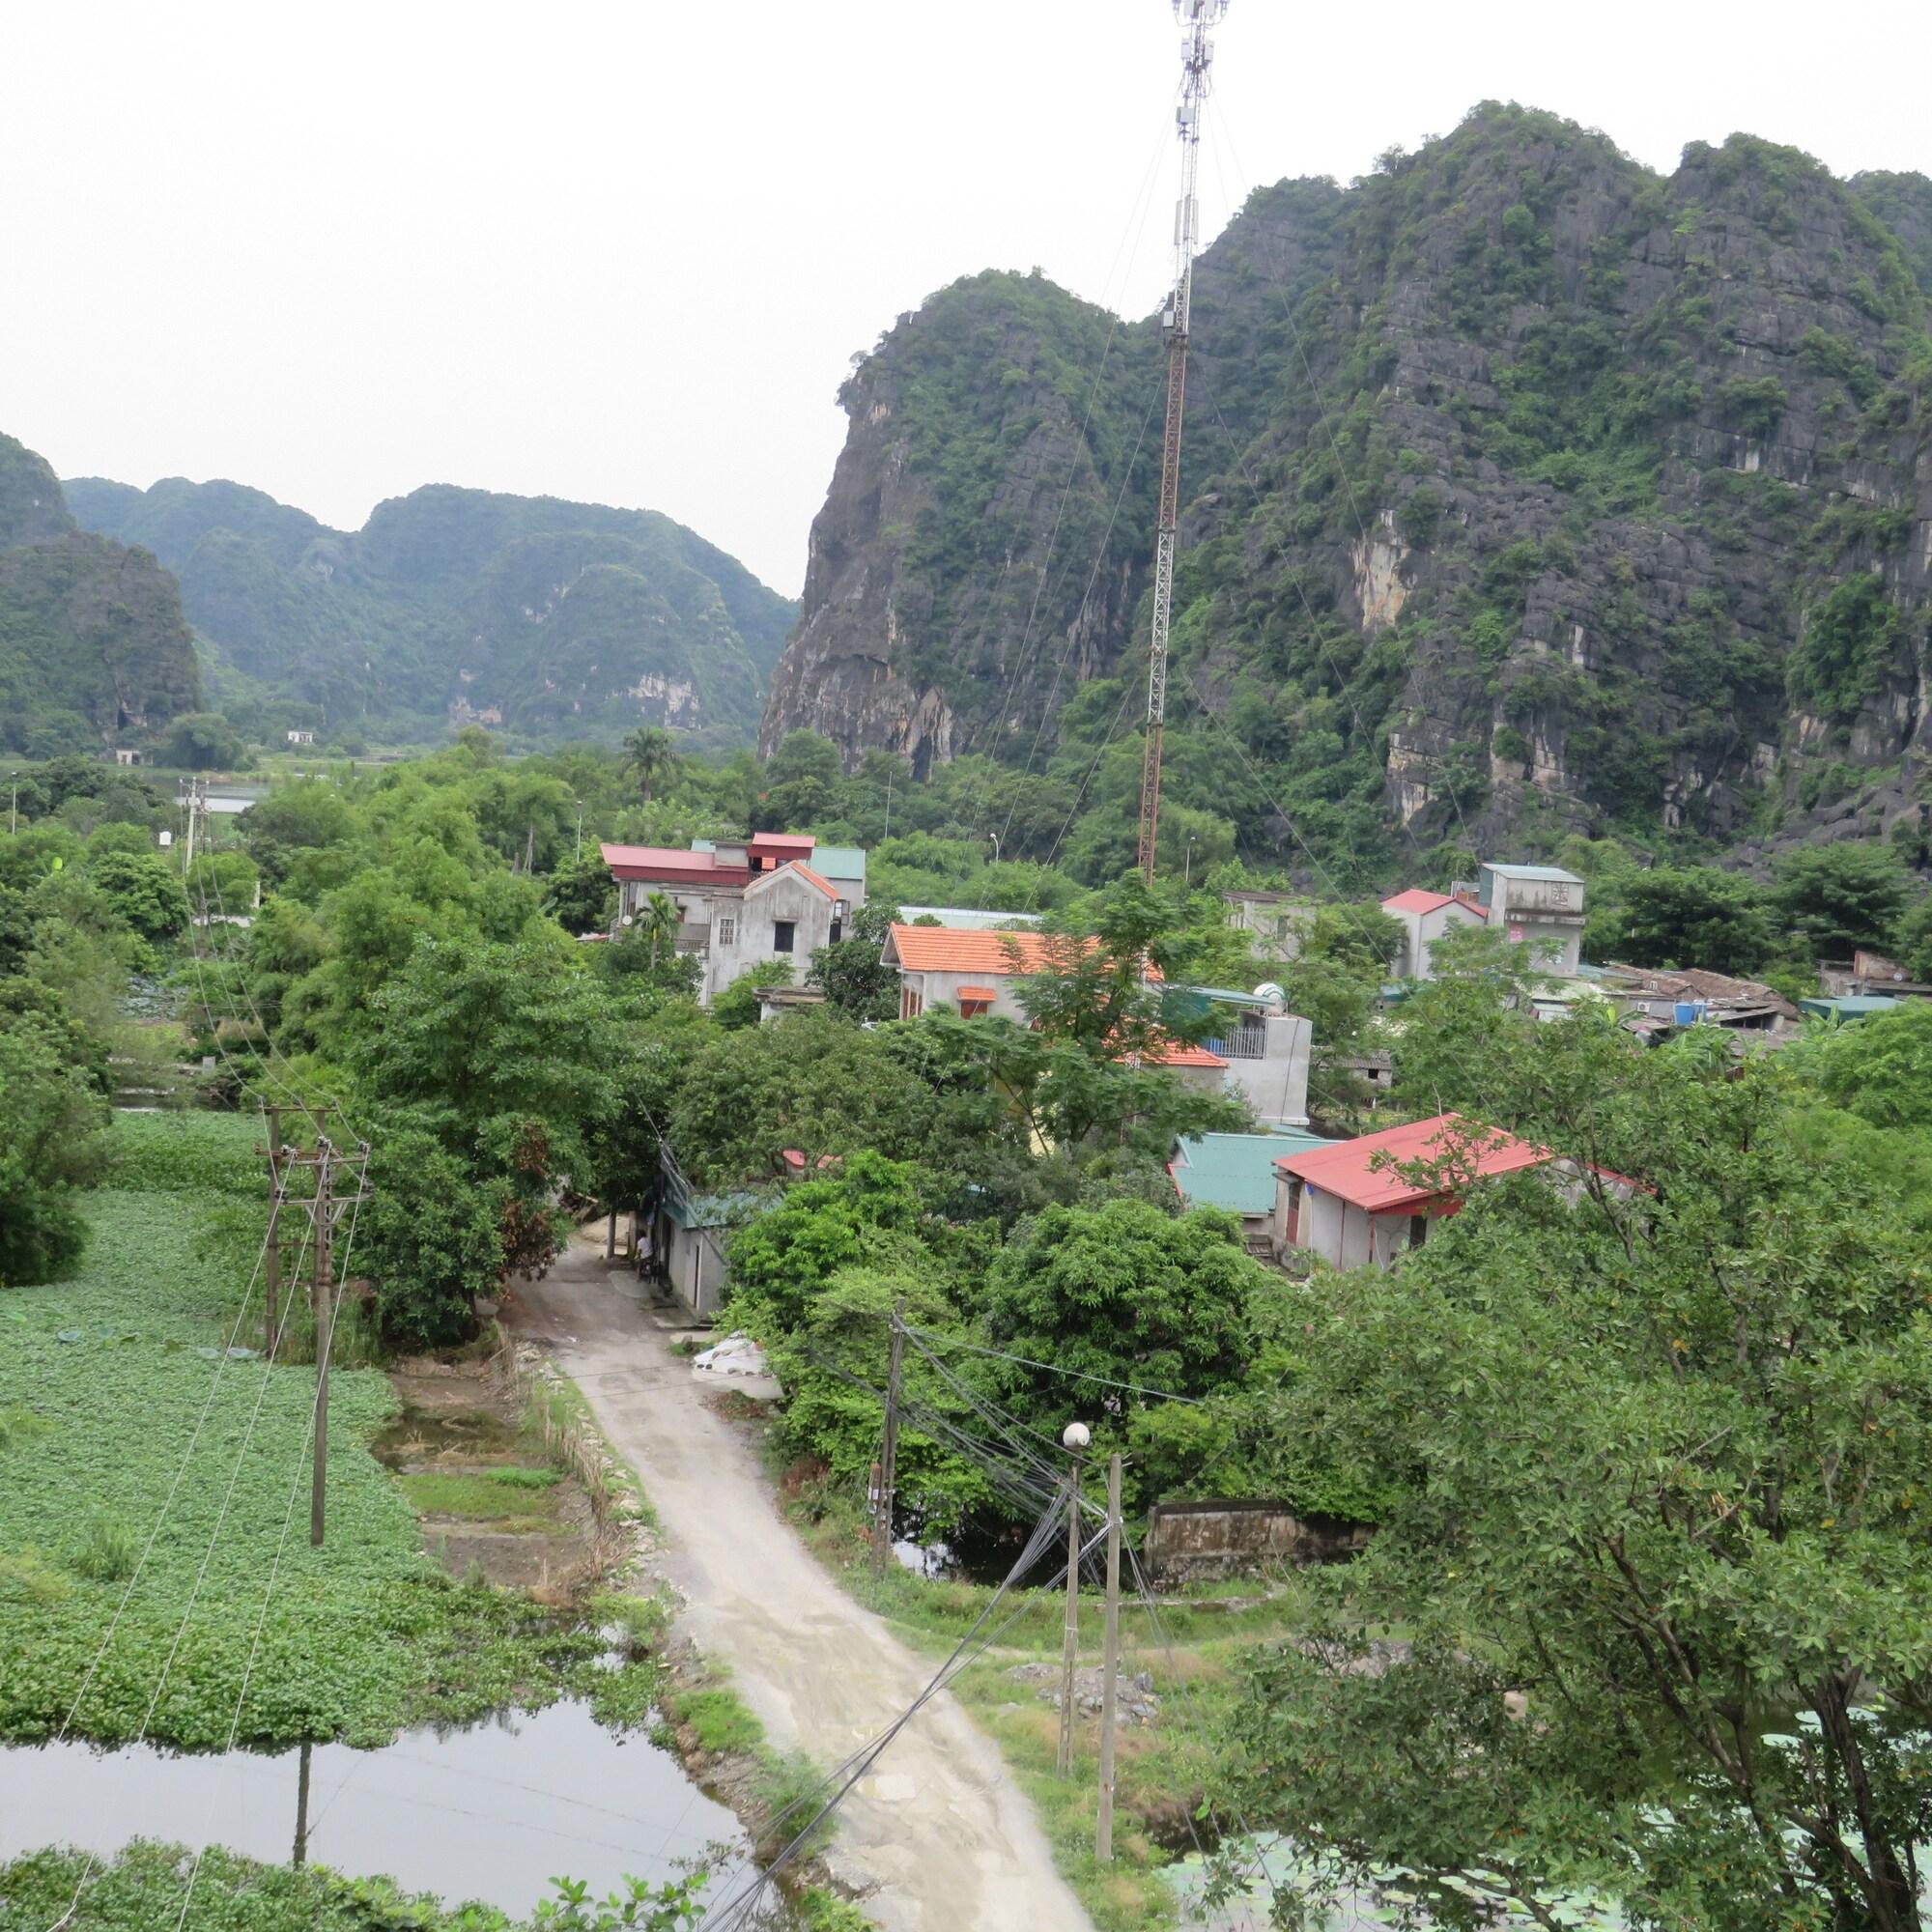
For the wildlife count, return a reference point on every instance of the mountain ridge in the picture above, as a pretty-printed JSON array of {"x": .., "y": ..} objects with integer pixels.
[
  {"x": 1538, "y": 493},
  {"x": 450, "y": 606}
]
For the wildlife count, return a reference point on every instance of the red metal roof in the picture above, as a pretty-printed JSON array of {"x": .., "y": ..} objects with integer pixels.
[
  {"x": 782, "y": 844},
  {"x": 672, "y": 864},
  {"x": 1417, "y": 900},
  {"x": 1347, "y": 1168}
]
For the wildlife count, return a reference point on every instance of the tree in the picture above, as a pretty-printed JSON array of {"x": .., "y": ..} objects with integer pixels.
[
  {"x": 51, "y": 1123},
  {"x": 430, "y": 1241},
  {"x": 202, "y": 741},
  {"x": 1839, "y": 898},
  {"x": 851, "y": 972},
  {"x": 1692, "y": 916},
  {"x": 145, "y": 893},
  {"x": 1880, "y": 1069},
  {"x": 1126, "y": 1293},
  {"x": 650, "y": 756},
  {"x": 582, "y": 895},
  {"x": 1654, "y": 1457}
]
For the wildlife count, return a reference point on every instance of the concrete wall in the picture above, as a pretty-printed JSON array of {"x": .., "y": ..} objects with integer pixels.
[
  {"x": 695, "y": 1267},
  {"x": 1276, "y": 1088},
  {"x": 942, "y": 989},
  {"x": 752, "y": 911},
  {"x": 1223, "y": 1539}
]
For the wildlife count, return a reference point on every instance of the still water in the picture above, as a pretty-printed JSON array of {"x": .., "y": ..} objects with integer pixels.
[{"x": 491, "y": 1812}]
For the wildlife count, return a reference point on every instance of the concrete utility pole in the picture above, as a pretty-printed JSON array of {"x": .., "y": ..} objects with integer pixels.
[
  {"x": 272, "y": 1254},
  {"x": 1197, "y": 56},
  {"x": 324, "y": 1301},
  {"x": 1110, "y": 1664},
  {"x": 889, "y": 1455},
  {"x": 13, "y": 810},
  {"x": 1075, "y": 1438}
]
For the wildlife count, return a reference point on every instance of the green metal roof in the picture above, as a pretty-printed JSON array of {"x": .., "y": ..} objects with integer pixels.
[
  {"x": 839, "y": 861},
  {"x": 1852, "y": 1006},
  {"x": 1236, "y": 1171}
]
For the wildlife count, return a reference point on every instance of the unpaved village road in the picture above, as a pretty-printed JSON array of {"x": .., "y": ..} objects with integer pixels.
[{"x": 938, "y": 1825}]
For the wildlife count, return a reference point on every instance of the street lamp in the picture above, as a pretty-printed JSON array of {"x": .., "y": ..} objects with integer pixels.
[{"x": 995, "y": 837}]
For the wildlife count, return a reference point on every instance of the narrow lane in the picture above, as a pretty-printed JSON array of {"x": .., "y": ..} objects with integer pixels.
[{"x": 939, "y": 1830}]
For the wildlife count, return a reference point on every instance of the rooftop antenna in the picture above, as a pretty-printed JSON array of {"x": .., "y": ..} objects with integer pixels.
[{"x": 1197, "y": 56}]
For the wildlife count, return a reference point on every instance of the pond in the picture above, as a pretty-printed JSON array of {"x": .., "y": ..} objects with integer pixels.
[{"x": 489, "y": 1812}]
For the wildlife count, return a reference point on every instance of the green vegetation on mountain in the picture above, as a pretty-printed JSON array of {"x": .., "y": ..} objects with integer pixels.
[
  {"x": 92, "y": 643},
  {"x": 544, "y": 617},
  {"x": 1526, "y": 493}
]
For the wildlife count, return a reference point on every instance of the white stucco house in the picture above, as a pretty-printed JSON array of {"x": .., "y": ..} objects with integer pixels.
[
  {"x": 738, "y": 903},
  {"x": 1424, "y": 918}
]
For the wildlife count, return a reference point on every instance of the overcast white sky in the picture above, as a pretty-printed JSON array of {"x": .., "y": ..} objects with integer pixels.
[{"x": 623, "y": 252}]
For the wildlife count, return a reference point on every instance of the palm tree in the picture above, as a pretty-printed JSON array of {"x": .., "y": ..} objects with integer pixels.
[
  {"x": 649, "y": 751},
  {"x": 658, "y": 921}
]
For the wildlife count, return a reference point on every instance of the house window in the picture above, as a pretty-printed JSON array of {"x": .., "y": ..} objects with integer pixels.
[
  {"x": 782, "y": 930},
  {"x": 727, "y": 931},
  {"x": 974, "y": 1009},
  {"x": 1418, "y": 1230},
  {"x": 911, "y": 1004}
]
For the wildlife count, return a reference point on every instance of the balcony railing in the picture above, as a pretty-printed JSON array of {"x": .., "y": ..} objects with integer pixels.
[{"x": 1245, "y": 1043}]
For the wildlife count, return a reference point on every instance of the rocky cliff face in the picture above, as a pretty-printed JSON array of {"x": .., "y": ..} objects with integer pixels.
[
  {"x": 1526, "y": 492},
  {"x": 460, "y": 606},
  {"x": 92, "y": 638}
]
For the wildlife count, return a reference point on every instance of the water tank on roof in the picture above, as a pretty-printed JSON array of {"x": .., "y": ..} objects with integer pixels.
[
  {"x": 1275, "y": 996},
  {"x": 1687, "y": 1013}
]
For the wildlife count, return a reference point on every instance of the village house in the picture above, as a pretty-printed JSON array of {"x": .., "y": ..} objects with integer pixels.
[
  {"x": 1656, "y": 1003},
  {"x": 299, "y": 737},
  {"x": 1274, "y": 924},
  {"x": 1350, "y": 1204},
  {"x": 1237, "y": 1172},
  {"x": 977, "y": 972},
  {"x": 1867, "y": 974},
  {"x": 1424, "y": 918},
  {"x": 1538, "y": 906},
  {"x": 739, "y": 902}
]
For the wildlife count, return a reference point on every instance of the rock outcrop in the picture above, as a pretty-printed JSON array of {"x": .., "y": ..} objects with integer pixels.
[
  {"x": 1526, "y": 492},
  {"x": 93, "y": 643}
]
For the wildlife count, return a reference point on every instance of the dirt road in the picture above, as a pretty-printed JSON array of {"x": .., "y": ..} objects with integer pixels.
[{"x": 938, "y": 1829}]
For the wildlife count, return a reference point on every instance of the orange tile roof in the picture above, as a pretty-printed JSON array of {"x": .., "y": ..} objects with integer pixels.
[
  {"x": 946, "y": 949},
  {"x": 811, "y": 877},
  {"x": 1176, "y": 1054}
]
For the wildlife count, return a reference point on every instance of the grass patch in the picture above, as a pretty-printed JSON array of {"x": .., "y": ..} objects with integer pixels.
[
  {"x": 477, "y": 1494},
  {"x": 363, "y": 1636},
  {"x": 718, "y": 1718}
]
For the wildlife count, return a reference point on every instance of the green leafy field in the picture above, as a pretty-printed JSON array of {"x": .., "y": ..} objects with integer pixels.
[{"x": 359, "y": 1638}]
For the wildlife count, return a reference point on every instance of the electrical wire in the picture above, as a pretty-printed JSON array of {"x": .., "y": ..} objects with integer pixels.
[{"x": 1054, "y": 1369}]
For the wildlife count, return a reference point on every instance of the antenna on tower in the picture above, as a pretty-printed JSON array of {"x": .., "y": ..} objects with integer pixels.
[{"x": 1197, "y": 56}]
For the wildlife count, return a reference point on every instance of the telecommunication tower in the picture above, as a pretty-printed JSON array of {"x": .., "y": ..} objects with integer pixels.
[{"x": 1197, "y": 56}]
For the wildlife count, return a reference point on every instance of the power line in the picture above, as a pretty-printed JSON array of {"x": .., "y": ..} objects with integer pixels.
[{"x": 1054, "y": 1369}]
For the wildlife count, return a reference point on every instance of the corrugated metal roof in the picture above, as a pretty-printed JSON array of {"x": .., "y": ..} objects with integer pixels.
[
  {"x": 1348, "y": 1169},
  {"x": 1236, "y": 1171},
  {"x": 1417, "y": 899},
  {"x": 1851, "y": 1007},
  {"x": 841, "y": 861},
  {"x": 1556, "y": 873}
]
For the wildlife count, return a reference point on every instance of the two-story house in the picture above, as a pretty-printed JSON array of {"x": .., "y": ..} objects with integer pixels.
[
  {"x": 1262, "y": 1053},
  {"x": 1424, "y": 918},
  {"x": 738, "y": 903},
  {"x": 1538, "y": 906}
]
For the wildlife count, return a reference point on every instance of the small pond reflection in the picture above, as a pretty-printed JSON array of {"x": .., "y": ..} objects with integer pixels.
[{"x": 489, "y": 1812}]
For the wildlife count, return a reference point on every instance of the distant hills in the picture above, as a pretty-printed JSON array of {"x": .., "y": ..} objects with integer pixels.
[
  {"x": 93, "y": 643},
  {"x": 1526, "y": 492},
  {"x": 542, "y": 618}
]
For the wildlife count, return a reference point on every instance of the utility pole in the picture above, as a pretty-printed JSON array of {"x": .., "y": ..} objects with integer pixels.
[
  {"x": 1075, "y": 1438},
  {"x": 301, "y": 1810},
  {"x": 1197, "y": 56},
  {"x": 888, "y": 1456},
  {"x": 323, "y": 1299},
  {"x": 13, "y": 810},
  {"x": 272, "y": 1254},
  {"x": 1110, "y": 1664},
  {"x": 579, "y": 803}
]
